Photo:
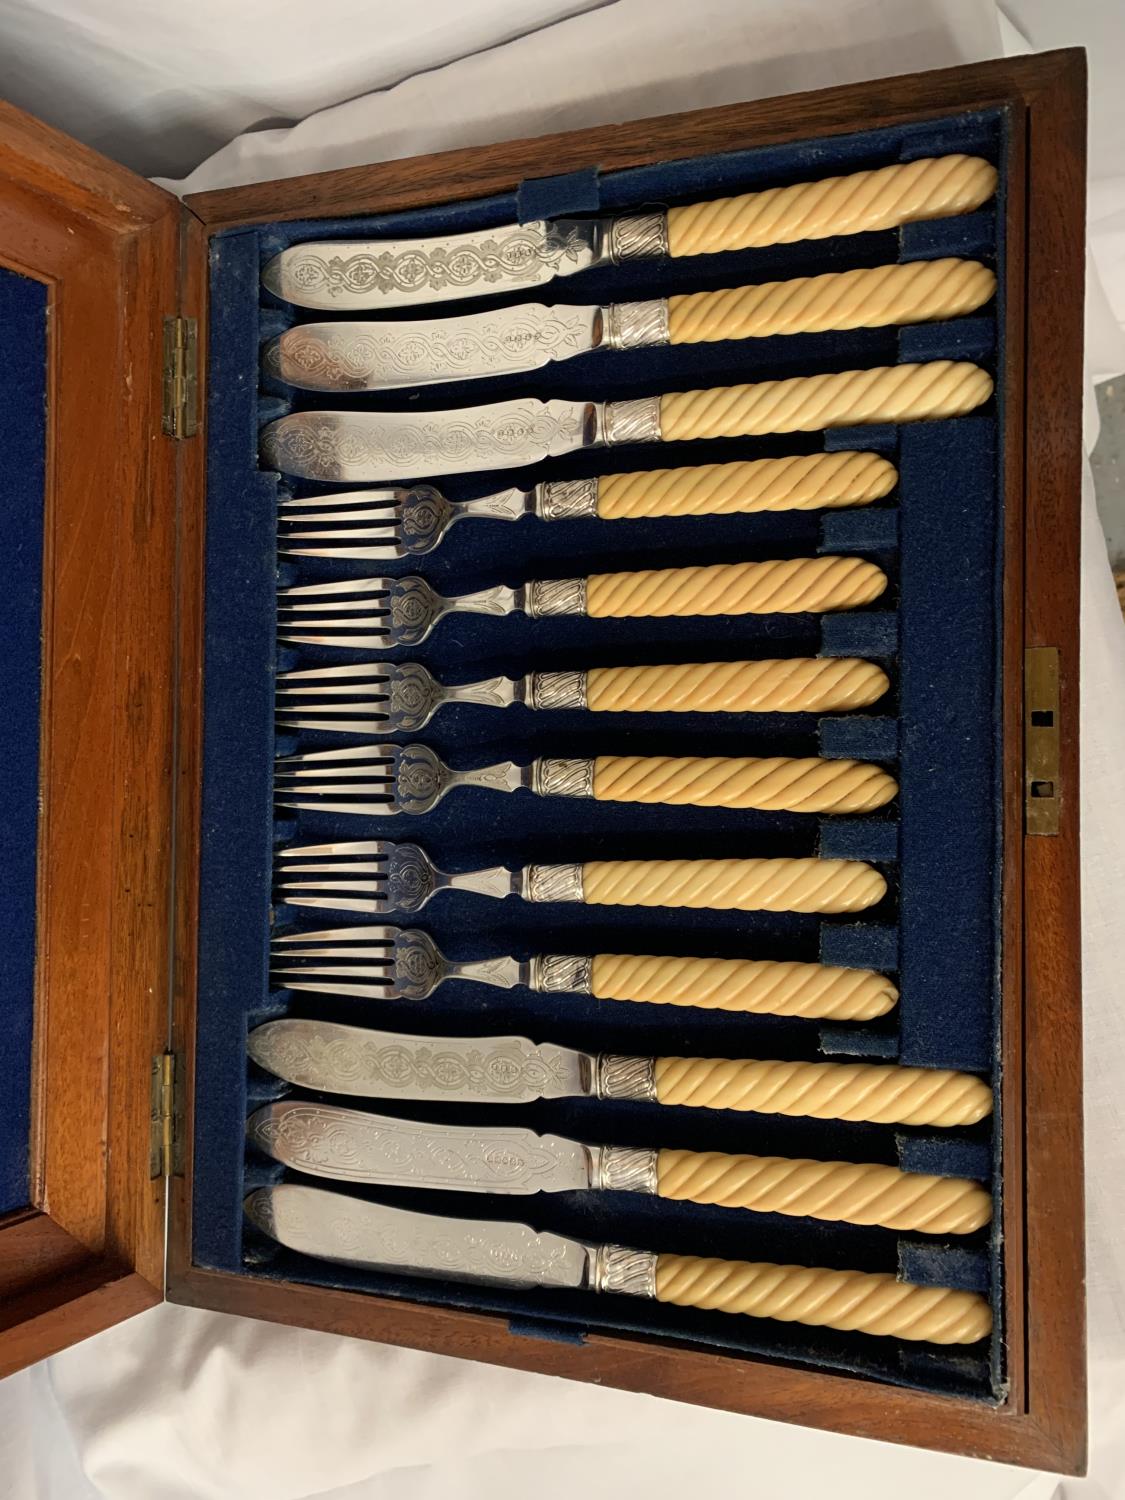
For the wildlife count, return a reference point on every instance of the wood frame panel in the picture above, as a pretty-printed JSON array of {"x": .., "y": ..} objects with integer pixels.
[
  {"x": 1042, "y": 1422},
  {"x": 89, "y": 1250}
]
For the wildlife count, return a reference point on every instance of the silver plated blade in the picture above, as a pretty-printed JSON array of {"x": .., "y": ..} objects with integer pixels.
[
  {"x": 370, "y": 356},
  {"x": 394, "y": 1065},
  {"x": 350, "y": 1145},
  {"x": 375, "y": 446},
  {"x": 332, "y": 1226},
  {"x": 354, "y": 275}
]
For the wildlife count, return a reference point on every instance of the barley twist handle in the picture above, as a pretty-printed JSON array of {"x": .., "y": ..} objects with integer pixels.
[
  {"x": 771, "y": 783},
  {"x": 782, "y": 586},
  {"x": 806, "y": 403},
  {"x": 930, "y": 188},
  {"x": 838, "y": 1191},
  {"x": 807, "y": 885},
  {"x": 913, "y": 292},
  {"x": 853, "y": 1301},
  {"x": 761, "y": 987},
  {"x": 881, "y": 1093},
  {"x": 807, "y": 481},
  {"x": 792, "y": 685}
]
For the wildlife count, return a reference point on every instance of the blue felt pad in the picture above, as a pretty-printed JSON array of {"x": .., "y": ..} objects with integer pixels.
[
  {"x": 23, "y": 446},
  {"x": 928, "y": 535}
]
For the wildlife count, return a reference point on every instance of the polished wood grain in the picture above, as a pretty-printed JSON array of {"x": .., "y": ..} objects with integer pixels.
[
  {"x": 106, "y": 245},
  {"x": 1042, "y": 1422}
]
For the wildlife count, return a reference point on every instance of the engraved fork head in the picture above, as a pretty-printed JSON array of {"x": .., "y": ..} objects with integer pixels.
[
  {"x": 371, "y": 963},
  {"x": 371, "y": 613},
  {"x": 372, "y": 525},
  {"x": 372, "y": 780},
  {"x": 369, "y": 875},
  {"x": 362, "y": 698}
]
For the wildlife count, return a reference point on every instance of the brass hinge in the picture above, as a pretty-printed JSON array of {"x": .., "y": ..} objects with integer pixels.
[
  {"x": 166, "y": 1119},
  {"x": 181, "y": 377},
  {"x": 1042, "y": 791}
]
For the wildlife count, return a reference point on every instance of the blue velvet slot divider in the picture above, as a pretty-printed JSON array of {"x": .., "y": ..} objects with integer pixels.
[
  {"x": 935, "y": 630},
  {"x": 23, "y": 448}
]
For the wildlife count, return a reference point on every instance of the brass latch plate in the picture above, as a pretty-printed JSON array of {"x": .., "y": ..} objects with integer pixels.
[
  {"x": 1041, "y": 737},
  {"x": 181, "y": 377}
]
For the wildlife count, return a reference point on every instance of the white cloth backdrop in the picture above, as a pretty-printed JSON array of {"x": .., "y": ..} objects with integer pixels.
[{"x": 184, "y": 1405}]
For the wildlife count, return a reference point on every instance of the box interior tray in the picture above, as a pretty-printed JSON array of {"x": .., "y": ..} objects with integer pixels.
[{"x": 937, "y": 632}]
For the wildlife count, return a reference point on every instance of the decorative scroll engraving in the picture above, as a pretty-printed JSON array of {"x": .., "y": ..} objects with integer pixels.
[
  {"x": 567, "y": 499},
  {"x": 553, "y": 882},
  {"x": 562, "y": 973},
  {"x": 424, "y": 516},
  {"x": 631, "y": 421},
  {"x": 418, "y": 966},
  {"x": 625, "y": 1169},
  {"x": 558, "y": 690},
  {"x": 556, "y": 596},
  {"x": 625, "y": 1077},
  {"x": 414, "y": 695},
  {"x": 352, "y": 1146},
  {"x": 373, "y": 447},
  {"x": 563, "y": 778},
  {"x": 524, "y": 253},
  {"x": 636, "y": 325},
  {"x": 414, "y": 608},
  {"x": 418, "y": 778},
  {"x": 639, "y": 237},
  {"x": 618, "y": 1269},
  {"x": 410, "y": 878}
]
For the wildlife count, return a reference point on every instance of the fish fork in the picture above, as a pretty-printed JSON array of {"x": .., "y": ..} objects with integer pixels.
[
  {"x": 407, "y": 521},
  {"x": 382, "y": 613},
  {"x": 385, "y": 779},
  {"x": 401, "y": 697},
  {"x": 379, "y": 877}
]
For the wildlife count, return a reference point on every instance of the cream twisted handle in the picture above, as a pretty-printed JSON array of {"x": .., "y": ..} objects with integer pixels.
[
  {"x": 930, "y": 188},
  {"x": 771, "y": 783},
  {"x": 852, "y": 1301},
  {"x": 837, "y": 1191},
  {"x": 881, "y": 1093},
  {"x": 763, "y": 987},
  {"x": 804, "y": 885},
  {"x": 782, "y": 586},
  {"x": 808, "y": 481},
  {"x": 917, "y": 291},
  {"x": 806, "y": 403},
  {"x": 790, "y": 685}
]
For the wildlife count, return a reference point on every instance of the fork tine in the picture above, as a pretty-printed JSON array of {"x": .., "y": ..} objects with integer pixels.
[
  {"x": 373, "y": 904},
  {"x": 340, "y": 725},
  {"x": 388, "y": 514},
  {"x": 390, "y": 553},
  {"x": 371, "y": 607},
  {"x": 353, "y": 669},
  {"x": 358, "y": 534},
  {"x": 341, "y": 586},
  {"x": 364, "y": 642},
  {"x": 391, "y": 495},
  {"x": 323, "y": 885},
  {"x": 376, "y": 933},
  {"x": 388, "y": 991},
  {"x": 382, "y": 958},
  {"x": 351, "y": 752},
  {"x": 357, "y": 870},
  {"x": 362, "y": 809},
  {"x": 379, "y": 847}
]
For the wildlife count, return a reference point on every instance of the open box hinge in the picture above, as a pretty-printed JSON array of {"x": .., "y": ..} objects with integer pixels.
[
  {"x": 1041, "y": 738},
  {"x": 181, "y": 377},
  {"x": 166, "y": 1128}
]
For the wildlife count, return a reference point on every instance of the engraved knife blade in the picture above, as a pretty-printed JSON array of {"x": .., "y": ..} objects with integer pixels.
[
  {"x": 369, "y": 356},
  {"x": 333, "y": 1226},
  {"x": 374, "y": 446},
  {"x": 350, "y": 1145},
  {"x": 394, "y": 1065},
  {"x": 356, "y": 275}
]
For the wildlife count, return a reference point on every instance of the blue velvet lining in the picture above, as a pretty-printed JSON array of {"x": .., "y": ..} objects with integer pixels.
[
  {"x": 23, "y": 449},
  {"x": 935, "y": 629}
]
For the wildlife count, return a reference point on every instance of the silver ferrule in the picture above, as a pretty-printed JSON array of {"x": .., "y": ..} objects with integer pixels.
[
  {"x": 615, "y": 1268},
  {"x": 565, "y": 499},
  {"x": 561, "y": 974},
  {"x": 554, "y": 690},
  {"x": 562, "y": 778},
  {"x": 631, "y": 421},
  {"x": 552, "y": 596},
  {"x": 625, "y": 1077},
  {"x": 623, "y": 1169},
  {"x": 634, "y": 325},
  {"x": 552, "y": 883},
  {"x": 638, "y": 237}
]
